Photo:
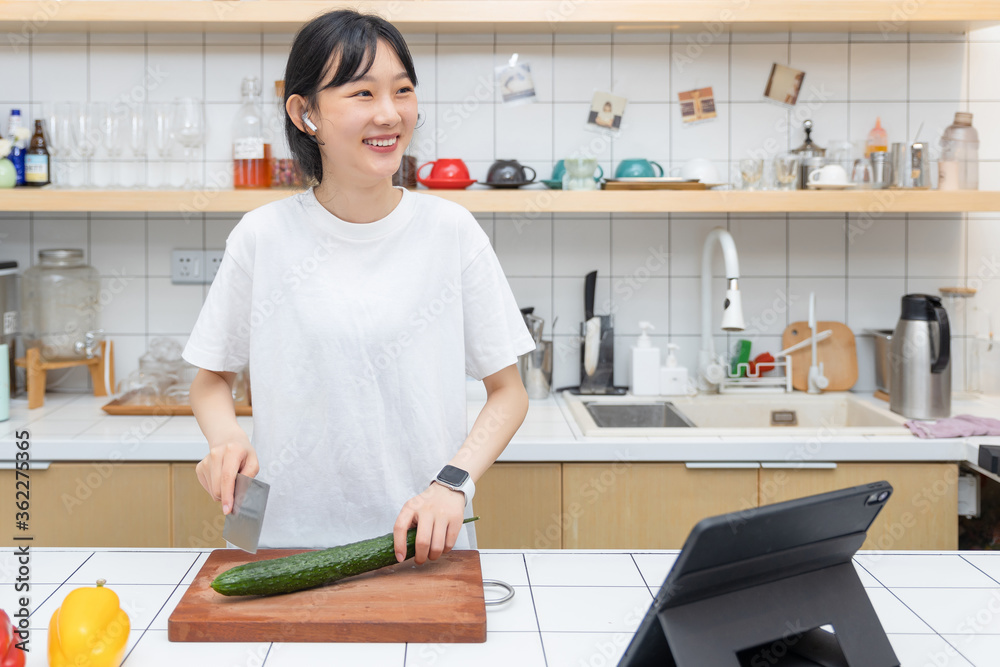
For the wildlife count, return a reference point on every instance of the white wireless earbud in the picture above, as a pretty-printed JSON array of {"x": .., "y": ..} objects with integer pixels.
[{"x": 309, "y": 123}]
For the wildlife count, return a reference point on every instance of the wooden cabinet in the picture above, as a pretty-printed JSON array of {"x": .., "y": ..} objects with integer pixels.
[
  {"x": 624, "y": 505},
  {"x": 197, "y": 519},
  {"x": 96, "y": 505},
  {"x": 519, "y": 506},
  {"x": 921, "y": 514}
]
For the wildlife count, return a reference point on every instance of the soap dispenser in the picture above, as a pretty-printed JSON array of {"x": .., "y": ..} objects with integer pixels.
[
  {"x": 673, "y": 377},
  {"x": 645, "y": 364}
]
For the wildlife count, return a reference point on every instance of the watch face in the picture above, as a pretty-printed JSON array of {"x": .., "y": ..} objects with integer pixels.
[{"x": 453, "y": 476}]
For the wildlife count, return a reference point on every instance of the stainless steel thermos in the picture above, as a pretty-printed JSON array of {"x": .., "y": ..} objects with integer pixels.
[{"x": 921, "y": 360}]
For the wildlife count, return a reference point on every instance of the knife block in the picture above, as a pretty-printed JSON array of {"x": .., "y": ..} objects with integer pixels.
[{"x": 601, "y": 381}]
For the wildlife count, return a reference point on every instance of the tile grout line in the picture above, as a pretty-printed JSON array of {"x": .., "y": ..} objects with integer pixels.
[{"x": 534, "y": 608}]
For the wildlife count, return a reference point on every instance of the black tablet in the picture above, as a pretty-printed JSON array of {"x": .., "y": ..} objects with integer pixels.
[{"x": 739, "y": 550}]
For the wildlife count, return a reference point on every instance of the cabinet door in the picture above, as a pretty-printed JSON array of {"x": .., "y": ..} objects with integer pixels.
[
  {"x": 625, "y": 505},
  {"x": 921, "y": 514},
  {"x": 519, "y": 506},
  {"x": 97, "y": 505},
  {"x": 198, "y": 520}
]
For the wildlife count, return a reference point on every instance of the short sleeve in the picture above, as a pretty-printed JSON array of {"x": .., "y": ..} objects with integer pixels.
[
  {"x": 495, "y": 333},
  {"x": 220, "y": 340}
]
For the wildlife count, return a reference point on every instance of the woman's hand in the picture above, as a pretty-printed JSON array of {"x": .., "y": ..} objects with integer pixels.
[
  {"x": 217, "y": 471},
  {"x": 437, "y": 513}
]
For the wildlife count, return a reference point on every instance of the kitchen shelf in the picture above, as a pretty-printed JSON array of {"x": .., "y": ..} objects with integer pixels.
[
  {"x": 525, "y": 201},
  {"x": 29, "y": 16}
]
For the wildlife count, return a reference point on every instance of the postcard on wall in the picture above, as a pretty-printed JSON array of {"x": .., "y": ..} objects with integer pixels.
[
  {"x": 784, "y": 84},
  {"x": 697, "y": 104},
  {"x": 515, "y": 82}
]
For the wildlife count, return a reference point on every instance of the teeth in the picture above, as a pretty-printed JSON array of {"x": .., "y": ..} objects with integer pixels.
[{"x": 380, "y": 142}]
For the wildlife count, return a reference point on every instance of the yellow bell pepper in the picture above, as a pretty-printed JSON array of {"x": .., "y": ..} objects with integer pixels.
[{"x": 89, "y": 630}]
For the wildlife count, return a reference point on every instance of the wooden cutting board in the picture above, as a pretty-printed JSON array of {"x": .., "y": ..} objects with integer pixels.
[
  {"x": 439, "y": 601},
  {"x": 839, "y": 355}
]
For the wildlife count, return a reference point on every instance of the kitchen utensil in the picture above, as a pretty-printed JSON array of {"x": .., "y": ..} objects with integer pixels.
[
  {"x": 597, "y": 352},
  {"x": 445, "y": 169},
  {"x": 439, "y": 601},
  {"x": 638, "y": 167},
  {"x": 807, "y": 153},
  {"x": 654, "y": 184},
  {"x": 536, "y": 369},
  {"x": 447, "y": 183},
  {"x": 786, "y": 171},
  {"x": 921, "y": 359},
  {"x": 883, "y": 365},
  {"x": 697, "y": 169},
  {"x": 751, "y": 170},
  {"x": 830, "y": 174},
  {"x": 741, "y": 358},
  {"x": 243, "y": 523},
  {"x": 881, "y": 170},
  {"x": 838, "y": 355},
  {"x": 910, "y": 165},
  {"x": 580, "y": 174},
  {"x": 509, "y": 173},
  {"x": 10, "y": 310}
]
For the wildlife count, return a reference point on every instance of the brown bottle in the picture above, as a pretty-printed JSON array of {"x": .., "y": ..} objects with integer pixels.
[{"x": 36, "y": 159}]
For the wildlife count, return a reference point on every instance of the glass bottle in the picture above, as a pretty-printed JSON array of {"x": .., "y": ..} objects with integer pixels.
[
  {"x": 251, "y": 154},
  {"x": 36, "y": 159},
  {"x": 15, "y": 132},
  {"x": 60, "y": 297},
  {"x": 958, "y": 168},
  {"x": 878, "y": 139}
]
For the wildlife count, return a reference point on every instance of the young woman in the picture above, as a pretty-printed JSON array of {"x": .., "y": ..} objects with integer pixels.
[{"x": 360, "y": 308}]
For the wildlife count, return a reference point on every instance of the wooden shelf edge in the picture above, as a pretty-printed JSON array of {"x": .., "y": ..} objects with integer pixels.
[
  {"x": 525, "y": 202},
  {"x": 547, "y": 15}
]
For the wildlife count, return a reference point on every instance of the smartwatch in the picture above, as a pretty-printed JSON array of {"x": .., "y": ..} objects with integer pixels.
[{"x": 457, "y": 479}]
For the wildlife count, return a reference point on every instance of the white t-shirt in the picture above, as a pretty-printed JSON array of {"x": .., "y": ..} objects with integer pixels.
[{"x": 359, "y": 338}]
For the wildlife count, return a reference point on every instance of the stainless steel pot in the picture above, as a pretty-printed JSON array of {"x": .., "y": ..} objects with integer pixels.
[{"x": 883, "y": 367}]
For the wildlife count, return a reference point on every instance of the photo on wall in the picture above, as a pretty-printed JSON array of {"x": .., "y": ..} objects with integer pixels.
[
  {"x": 784, "y": 84},
  {"x": 606, "y": 111},
  {"x": 697, "y": 104}
]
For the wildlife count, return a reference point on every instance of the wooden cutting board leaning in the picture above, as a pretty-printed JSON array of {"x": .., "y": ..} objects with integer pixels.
[
  {"x": 440, "y": 601},
  {"x": 838, "y": 353}
]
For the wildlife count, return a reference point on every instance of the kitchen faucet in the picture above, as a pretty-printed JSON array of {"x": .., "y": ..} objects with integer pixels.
[{"x": 712, "y": 369}]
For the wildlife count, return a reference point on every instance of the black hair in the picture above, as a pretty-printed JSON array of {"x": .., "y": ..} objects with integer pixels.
[{"x": 354, "y": 37}]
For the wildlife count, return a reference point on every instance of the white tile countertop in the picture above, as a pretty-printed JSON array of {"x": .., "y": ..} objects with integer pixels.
[
  {"x": 570, "y": 608},
  {"x": 72, "y": 427}
]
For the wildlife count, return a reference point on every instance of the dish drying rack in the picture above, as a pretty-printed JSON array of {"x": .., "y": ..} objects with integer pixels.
[{"x": 774, "y": 382}]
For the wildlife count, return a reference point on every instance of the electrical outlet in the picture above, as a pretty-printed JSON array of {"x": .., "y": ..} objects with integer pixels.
[
  {"x": 213, "y": 259},
  {"x": 187, "y": 266}
]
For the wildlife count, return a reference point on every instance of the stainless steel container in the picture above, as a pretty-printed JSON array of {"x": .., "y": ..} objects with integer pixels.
[
  {"x": 911, "y": 165},
  {"x": 881, "y": 170},
  {"x": 11, "y": 312},
  {"x": 883, "y": 351},
  {"x": 921, "y": 360},
  {"x": 536, "y": 370}
]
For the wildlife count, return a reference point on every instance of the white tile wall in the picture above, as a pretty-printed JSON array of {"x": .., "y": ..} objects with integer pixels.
[{"x": 858, "y": 268}]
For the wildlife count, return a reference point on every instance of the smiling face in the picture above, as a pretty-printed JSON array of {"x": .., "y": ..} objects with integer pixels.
[{"x": 365, "y": 125}]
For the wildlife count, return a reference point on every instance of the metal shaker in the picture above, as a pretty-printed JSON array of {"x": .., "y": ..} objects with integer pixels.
[
  {"x": 881, "y": 169},
  {"x": 911, "y": 165}
]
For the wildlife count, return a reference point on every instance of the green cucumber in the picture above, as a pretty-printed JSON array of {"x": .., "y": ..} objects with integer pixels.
[{"x": 313, "y": 568}]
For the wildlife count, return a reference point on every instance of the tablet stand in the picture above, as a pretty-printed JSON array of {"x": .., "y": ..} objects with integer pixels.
[{"x": 781, "y": 617}]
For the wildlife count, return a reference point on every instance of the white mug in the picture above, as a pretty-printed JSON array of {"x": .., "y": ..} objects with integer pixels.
[
  {"x": 697, "y": 169},
  {"x": 830, "y": 174}
]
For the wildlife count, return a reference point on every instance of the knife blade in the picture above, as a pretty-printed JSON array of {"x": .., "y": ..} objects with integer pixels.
[
  {"x": 589, "y": 291},
  {"x": 244, "y": 522}
]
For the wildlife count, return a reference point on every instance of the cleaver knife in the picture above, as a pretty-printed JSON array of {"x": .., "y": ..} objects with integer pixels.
[{"x": 243, "y": 523}]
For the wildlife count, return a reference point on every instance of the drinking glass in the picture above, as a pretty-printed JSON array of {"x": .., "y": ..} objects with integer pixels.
[
  {"x": 786, "y": 171},
  {"x": 137, "y": 139},
  {"x": 161, "y": 136},
  {"x": 114, "y": 130},
  {"x": 189, "y": 130},
  {"x": 58, "y": 117},
  {"x": 862, "y": 174},
  {"x": 87, "y": 119},
  {"x": 750, "y": 171}
]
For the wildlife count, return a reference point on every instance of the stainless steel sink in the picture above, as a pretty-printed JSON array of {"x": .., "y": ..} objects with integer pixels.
[{"x": 661, "y": 414}]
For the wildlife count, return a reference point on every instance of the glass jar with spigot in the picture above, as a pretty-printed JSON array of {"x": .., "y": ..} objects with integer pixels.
[{"x": 60, "y": 297}]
